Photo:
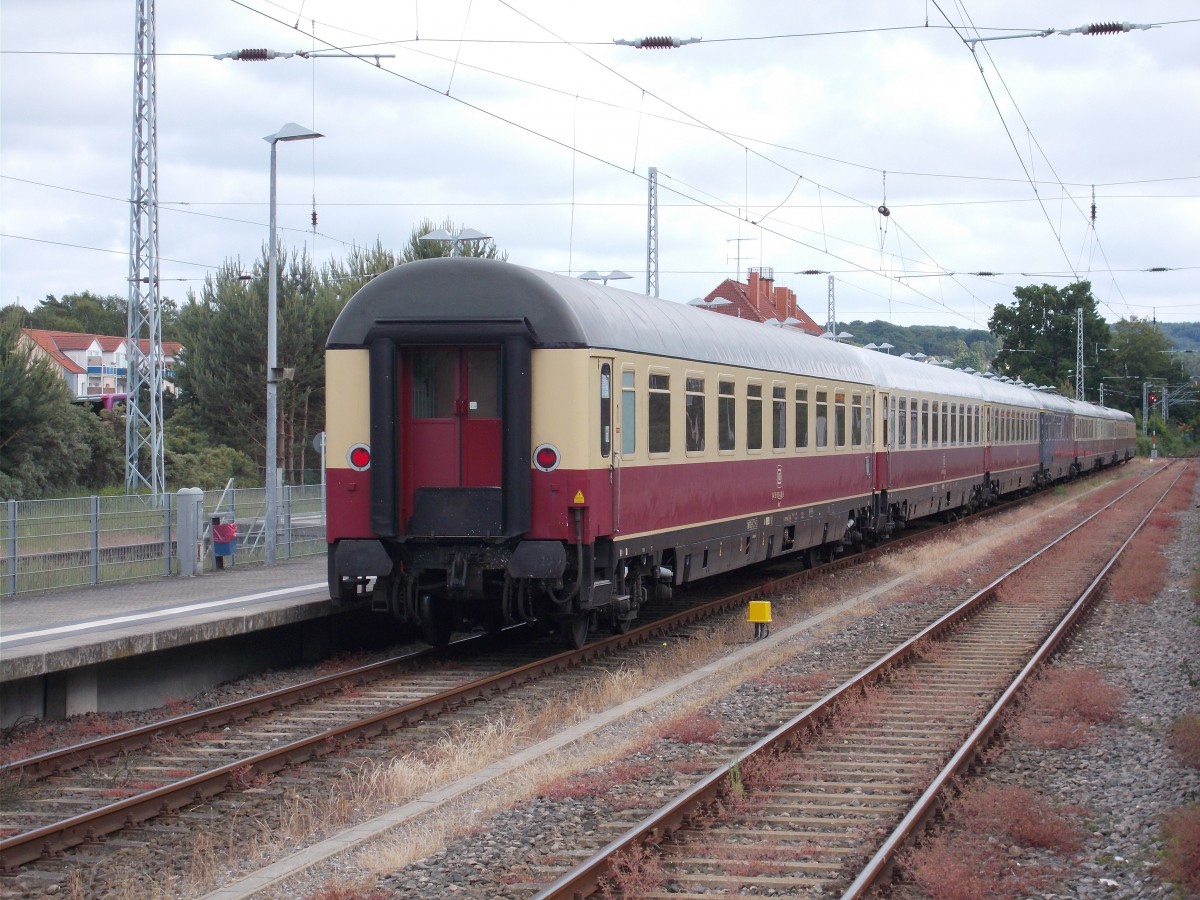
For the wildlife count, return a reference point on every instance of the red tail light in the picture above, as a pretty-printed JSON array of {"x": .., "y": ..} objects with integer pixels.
[
  {"x": 546, "y": 458},
  {"x": 359, "y": 457}
]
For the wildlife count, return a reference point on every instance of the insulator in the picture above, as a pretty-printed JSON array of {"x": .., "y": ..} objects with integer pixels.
[
  {"x": 984, "y": 274},
  {"x": 1105, "y": 28},
  {"x": 884, "y": 211},
  {"x": 657, "y": 43},
  {"x": 812, "y": 272},
  {"x": 256, "y": 54},
  {"x": 1158, "y": 269},
  {"x": 314, "y": 219}
]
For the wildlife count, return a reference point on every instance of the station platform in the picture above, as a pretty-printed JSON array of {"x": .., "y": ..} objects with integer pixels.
[{"x": 131, "y": 645}]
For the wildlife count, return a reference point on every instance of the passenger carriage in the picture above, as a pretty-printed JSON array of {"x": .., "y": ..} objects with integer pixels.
[{"x": 505, "y": 444}]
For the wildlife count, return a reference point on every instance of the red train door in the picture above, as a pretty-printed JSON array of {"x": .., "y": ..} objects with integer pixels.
[{"x": 452, "y": 428}]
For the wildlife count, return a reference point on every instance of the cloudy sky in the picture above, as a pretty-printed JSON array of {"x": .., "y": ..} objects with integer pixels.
[{"x": 776, "y": 138}]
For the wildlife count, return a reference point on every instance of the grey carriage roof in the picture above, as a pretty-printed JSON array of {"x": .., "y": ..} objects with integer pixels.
[{"x": 569, "y": 312}]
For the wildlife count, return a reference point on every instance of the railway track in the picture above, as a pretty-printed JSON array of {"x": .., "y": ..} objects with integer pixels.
[
  {"x": 79, "y": 794},
  {"x": 265, "y": 722},
  {"x": 803, "y": 809}
]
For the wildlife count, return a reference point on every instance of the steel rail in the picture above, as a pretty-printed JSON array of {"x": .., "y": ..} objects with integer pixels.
[{"x": 586, "y": 878}]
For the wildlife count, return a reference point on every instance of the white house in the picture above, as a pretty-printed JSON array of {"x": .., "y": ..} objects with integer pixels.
[{"x": 95, "y": 365}]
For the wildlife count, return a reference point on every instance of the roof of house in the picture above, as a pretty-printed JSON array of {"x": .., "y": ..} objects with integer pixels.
[
  {"x": 56, "y": 343},
  {"x": 741, "y": 303}
]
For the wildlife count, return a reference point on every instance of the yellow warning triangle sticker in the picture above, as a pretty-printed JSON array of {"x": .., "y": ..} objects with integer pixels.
[{"x": 578, "y": 496}]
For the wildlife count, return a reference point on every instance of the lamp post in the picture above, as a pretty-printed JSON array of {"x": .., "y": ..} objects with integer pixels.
[
  {"x": 289, "y": 132},
  {"x": 457, "y": 240}
]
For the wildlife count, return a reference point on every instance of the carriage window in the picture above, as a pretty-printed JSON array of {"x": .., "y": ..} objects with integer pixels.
[
  {"x": 628, "y": 414},
  {"x": 726, "y": 416},
  {"x": 754, "y": 417},
  {"x": 924, "y": 423},
  {"x": 870, "y": 433},
  {"x": 975, "y": 430},
  {"x": 856, "y": 421},
  {"x": 801, "y": 417},
  {"x": 914, "y": 424},
  {"x": 953, "y": 423},
  {"x": 839, "y": 418},
  {"x": 605, "y": 409},
  {"x": 945, "y": 422},
  {"x": 433, "y": 383},
  {"x": 822, "y": 418},
  {"x": 779, "y": 417},
  {"x": 693, "y": 411},
  {"x": 933, "y": 424},
  {"x": 660, "y": 413},
  {"x": 483, "y": 384},
  {"x": 902, "y": 423}
]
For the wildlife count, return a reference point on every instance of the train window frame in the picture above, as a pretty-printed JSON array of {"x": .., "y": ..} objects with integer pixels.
[
  {"x": 628, "y": 411},
  {"x": 726, "y": 414},
  {"x": 754, "y": 416},
  {"x": 839, "y": 417},
  {"x": 803, "y": 422},
  {"x": 924, "y": 423},
  {"x": 605, "y": 409},
  {"x": 694, "y": 425},
  {"x": 934, "y": 431},
  {"x": 868, "y": 422},
  {"x": 779, "y": 432},
  {"x": 856, "y": 419},
  {"x": 901, "y": 414},
  {"x": 945, "y": 421},
  {"x": 658, "y": 424},
  {"x": 914, "y": 423},
  {"x": 821, "y": 422},
  {"x": 953, "y": 424}
]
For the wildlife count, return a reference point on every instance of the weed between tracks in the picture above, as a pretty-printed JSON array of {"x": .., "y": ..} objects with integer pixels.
[{"x": 985, "y": 857}]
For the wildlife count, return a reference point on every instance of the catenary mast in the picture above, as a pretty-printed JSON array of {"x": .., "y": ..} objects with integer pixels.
[{"x": 144, "y": 408}]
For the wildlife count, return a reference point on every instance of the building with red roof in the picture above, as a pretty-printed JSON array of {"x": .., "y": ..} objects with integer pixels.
[
  {"x": 759, "y": 300},
  {"x": 95, "y": 365}
]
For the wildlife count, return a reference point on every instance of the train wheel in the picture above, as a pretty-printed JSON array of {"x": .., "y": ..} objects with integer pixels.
[
  {"x": 575, "y": 630},
  {"x": 435, "y": 621}
]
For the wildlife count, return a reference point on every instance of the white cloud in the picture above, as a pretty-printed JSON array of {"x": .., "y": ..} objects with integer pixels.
[{"x": 496, "y": 154}]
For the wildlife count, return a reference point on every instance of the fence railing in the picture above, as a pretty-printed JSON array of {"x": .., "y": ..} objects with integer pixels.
[{"x": 51, "y": 544}]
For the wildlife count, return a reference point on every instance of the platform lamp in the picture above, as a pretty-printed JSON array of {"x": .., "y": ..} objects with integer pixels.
[{"x": 289, "y": 132}]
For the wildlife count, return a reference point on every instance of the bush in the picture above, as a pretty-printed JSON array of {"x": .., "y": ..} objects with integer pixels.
[
  {"x": 1181, "y": 854},
  {"x": 1185, "y": 738}
]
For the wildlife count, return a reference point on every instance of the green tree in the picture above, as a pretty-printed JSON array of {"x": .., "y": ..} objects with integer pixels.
[
  {"x": 1038, "y": 332},
  {"x": 89, "y": 313},
  {"x": 223, "y": 369},
  {"x": 48, "y": 445}
]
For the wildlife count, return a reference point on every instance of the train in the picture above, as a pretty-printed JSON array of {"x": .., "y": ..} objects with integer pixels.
[{"x": 506, "y": 445}]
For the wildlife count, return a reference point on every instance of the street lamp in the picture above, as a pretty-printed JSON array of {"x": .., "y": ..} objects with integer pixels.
[
  {"x": 593, "y": 275},
  {"x": 289, "y": 132},
  {"x": 457, "y": 240}
]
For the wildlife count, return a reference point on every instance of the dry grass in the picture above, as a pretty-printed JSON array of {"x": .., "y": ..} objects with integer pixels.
[
  {"x": 633, "y": 874},
  {"x": 1185, "y": 738},
  {"x": 982, "y": 860},
  {"x": 1181, "y": 852},
  {"x": 1063, "y": 704}
]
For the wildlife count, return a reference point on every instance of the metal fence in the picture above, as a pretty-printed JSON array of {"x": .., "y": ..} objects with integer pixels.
[{"x": 50, "y": 544}]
